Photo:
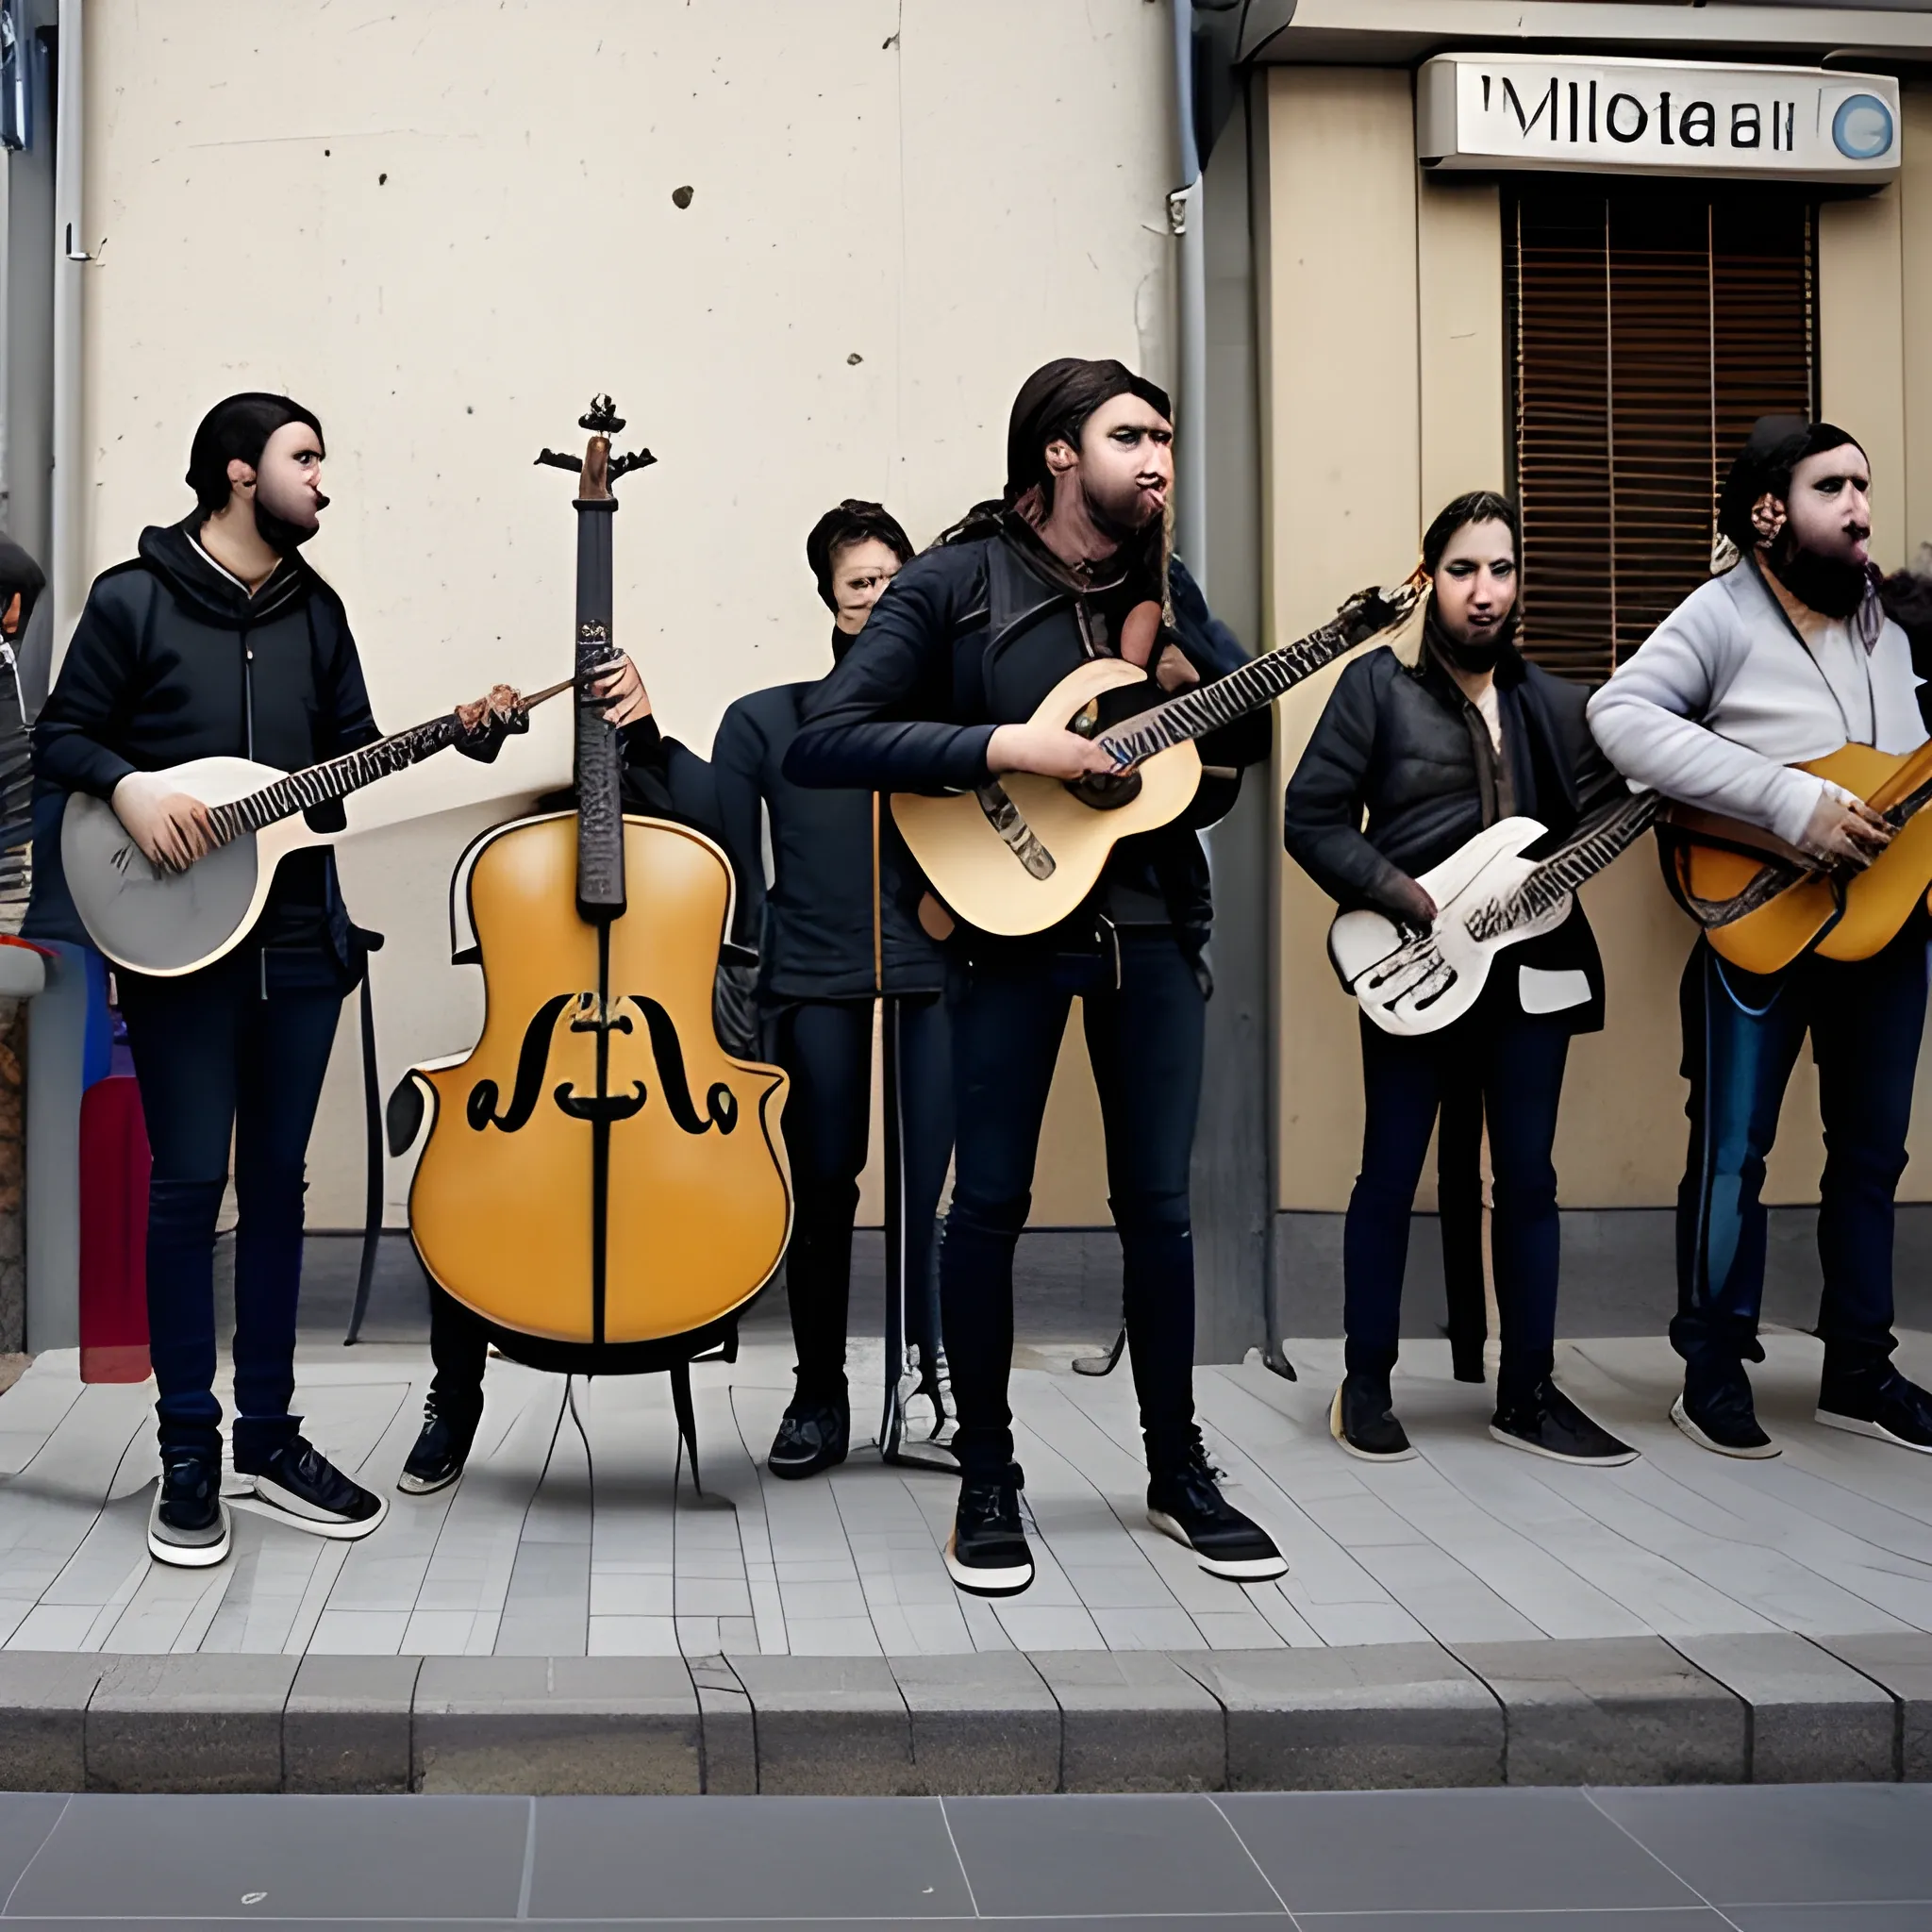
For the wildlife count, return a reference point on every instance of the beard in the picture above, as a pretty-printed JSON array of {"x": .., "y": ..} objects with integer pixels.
[
  {"x": 1832, "y": 585},
  {"x": 1473, "y": 655},
  {"x": 278, "y": 533},
  {"x": 1123, "y": 520}
]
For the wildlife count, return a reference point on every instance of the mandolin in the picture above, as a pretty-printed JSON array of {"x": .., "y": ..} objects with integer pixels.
[
  {"x": 1489, "y": 896},
  {"x": 1019, "y": 854},
  {"x": 1762, "y": 903}
]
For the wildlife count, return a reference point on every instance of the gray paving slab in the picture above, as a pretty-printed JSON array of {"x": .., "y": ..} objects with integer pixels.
[
  {"x": 1813, "y": 1720},
  {"x": 1360, "y": 1717},
  {"x": 1134, "y": 1721},
  {"x": 1610, "y": 1710},
  {"x": 26, "y": 1818},
  {"x": 1898, "y": 1661},
  {"x": 619, "y": 1725},
  {"x": 193, "y": 1722},
  {"x": 346, "y": 1725},
  {"x": 981, "y": 1722},
  {"x": 833, "y": 1725},
  {"x": 728, "y": 1734},
  {"x": 43, "y": 1700}
]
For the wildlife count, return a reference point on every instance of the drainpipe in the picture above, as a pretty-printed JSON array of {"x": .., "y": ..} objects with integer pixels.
[
  {"x": 67, "y": 574},
  {"x": 1186, "y": 214}
]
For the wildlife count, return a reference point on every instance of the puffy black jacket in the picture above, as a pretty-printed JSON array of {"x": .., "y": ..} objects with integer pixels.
[
  {"x": 813, "y": 929},
  {"x": 1400, "y": 742},
  {"x": 972, "y": 636},
  {"x": 173, "y": 659}
]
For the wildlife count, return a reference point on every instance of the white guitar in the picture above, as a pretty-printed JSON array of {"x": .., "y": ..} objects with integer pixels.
[
  {"x": 153, "y": 920},
  {"x": 1488, "y": 896}
]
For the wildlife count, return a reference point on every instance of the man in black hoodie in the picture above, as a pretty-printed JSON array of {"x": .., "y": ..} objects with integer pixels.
[
  {"x": 837, "y": 928},
  {"x": 217, "y": 639}
]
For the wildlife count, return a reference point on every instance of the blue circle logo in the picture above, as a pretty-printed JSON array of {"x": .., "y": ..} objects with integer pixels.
[{"x": 1861, "y": 129}]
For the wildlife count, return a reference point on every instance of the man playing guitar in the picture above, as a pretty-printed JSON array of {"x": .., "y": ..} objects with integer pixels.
[{"x": 1789, "y": 655}]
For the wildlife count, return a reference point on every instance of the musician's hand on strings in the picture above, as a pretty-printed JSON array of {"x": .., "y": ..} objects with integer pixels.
[
  {"x": 1049, "y": 750},
  {"x": 499, "y": 713},
  {"x": 623, "y": 687},
  {"x": 171, "y": 828},
  {"x": 1845, "y": 831},
  {"x": 1412, "y": 905}
]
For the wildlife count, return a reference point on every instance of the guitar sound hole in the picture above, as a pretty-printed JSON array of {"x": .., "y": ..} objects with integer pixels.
[{"x": 1107, "y": 791}]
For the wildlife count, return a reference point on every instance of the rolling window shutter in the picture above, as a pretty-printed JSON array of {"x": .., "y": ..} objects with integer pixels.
[{"x": 1649, "y": 327}]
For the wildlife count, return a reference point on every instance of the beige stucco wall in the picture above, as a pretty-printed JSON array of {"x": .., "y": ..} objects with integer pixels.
[
  {"x": 1370, "y": 274},
  {"x": 444, "y": 225}
]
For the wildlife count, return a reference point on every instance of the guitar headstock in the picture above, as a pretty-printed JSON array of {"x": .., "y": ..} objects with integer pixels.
[{"x": 597, "y": 469}]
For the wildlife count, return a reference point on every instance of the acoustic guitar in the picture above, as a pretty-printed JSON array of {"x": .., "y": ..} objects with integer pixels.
[
  {"x": 1022, "y": 852},
  {"x": 1488, "y": 896},
  {"x": 1762, "y": 903}
]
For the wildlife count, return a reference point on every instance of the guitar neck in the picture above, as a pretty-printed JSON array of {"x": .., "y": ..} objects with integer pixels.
[
  {"x": 1209, "y": 706},
  {"x": 1581, "y": 856},
  {"x": 318, "y": 784}
]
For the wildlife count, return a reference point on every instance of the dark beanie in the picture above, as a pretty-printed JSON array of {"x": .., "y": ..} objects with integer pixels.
[
  {"x": 236, "y": 429},
  {"x": 1054, "y": 402},
  {"x": 1775, "y": 447}
]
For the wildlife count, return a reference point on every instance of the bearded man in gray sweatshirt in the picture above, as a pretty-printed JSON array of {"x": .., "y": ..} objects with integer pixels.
[{"x": 1787, "y": 657}]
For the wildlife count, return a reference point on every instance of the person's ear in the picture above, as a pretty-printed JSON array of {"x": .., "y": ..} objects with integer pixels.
[
  {"x": 1767, "y": 518},
  {"x": 1060, "y": 456},
  {"x": 240, "y": 475}
]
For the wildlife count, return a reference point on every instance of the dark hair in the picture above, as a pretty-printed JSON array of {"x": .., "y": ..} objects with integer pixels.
[
  {"x": 853, "y": 521},
  {"x": 236, "y": 429},
  {"x": 1054, "y": 402},
  {"x": 1473, "y": 506}
]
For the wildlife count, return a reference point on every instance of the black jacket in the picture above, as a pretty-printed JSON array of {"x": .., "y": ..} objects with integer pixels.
[
  {"x": 813, "y": 928},
  {"x": 173, "y": 659},
  {"x": 972, "y": 636},
  {"x": 1403, "y": 744}
]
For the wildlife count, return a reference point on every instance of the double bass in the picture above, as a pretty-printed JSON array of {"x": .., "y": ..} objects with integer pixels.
[{"x": 603, "y": 1183}]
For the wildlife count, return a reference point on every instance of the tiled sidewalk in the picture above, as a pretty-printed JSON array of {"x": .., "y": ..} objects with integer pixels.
[{"x": 563, "y": 1542}]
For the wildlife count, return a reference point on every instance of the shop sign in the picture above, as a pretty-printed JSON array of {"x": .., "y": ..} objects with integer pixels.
[{"x": 1655, "y": 116}]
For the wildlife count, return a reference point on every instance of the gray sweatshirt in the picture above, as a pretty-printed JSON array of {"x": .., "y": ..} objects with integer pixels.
[{"x": 1724, "y": 697}]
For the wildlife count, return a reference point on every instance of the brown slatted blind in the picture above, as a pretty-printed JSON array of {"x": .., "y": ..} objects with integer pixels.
[{"x": 1649, "y": 327}]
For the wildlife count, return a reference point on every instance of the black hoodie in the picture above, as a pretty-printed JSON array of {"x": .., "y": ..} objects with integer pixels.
[{"x": 173, "y": 659}]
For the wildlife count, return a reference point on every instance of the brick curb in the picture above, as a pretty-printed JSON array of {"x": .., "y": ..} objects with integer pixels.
[{"x": 1766, "y": 1708}]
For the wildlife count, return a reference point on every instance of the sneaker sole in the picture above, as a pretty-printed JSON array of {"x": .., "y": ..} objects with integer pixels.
[
  {"x": 195, "y": 1556},
  {"x": 1234, "y": 1569},
  {"x": 1876, "y": 1431},
  {"x": 797, "y": 1472},
  {"x": 1616, "y": 1462},
  {"x": 1681, "y": 1417},
  {"x": 268, "y": 1503},
  {"x": 1362, "y": 1455},
  {"x": 420, "y": 1485},
  {"x": 1007, "y": 1582}
]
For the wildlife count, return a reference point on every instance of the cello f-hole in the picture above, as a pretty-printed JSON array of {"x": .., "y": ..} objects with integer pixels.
[{"x": 531, "y": 1061}]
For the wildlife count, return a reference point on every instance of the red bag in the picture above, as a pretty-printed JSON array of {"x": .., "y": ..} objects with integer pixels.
[{"x": 114, "y": 1163}]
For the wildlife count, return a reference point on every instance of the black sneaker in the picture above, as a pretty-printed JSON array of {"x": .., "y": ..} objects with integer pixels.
[
  {"x": 1362, "y": 1420},
  {"x": 987, "y": 1552},
  {"x": 189, "y": 1524},
  {"x": 1185, "y": 1505},
  {"x": 302, "y": 1488},
  {"x": 1549, "y": 1423},
  {"x": 813, "y": 1436},
  {"x": 1881, "y": 1404},
  {"x": 441, "y": 1452},
  {"x": 1717, "y": 1413}
]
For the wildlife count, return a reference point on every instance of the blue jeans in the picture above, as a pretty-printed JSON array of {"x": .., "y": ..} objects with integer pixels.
[
  {"x": 216, "y": 1059},
  {"x": 1515, "y": 1062},
  {"x": 1741, "y": 1036},
  {"x": 1144, "y": 1041}
]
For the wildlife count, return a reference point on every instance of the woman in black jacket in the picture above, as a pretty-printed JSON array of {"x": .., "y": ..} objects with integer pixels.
[
  {"x": 218, "y": 641},
  {"x": 1471, "y": 734}
]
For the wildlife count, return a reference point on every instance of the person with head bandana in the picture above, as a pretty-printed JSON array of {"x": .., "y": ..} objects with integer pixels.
[
  {"x": 1070, "y": 562},
  {"x": 1434, "y": 752},
  {"x": 219, "y": 640},
  {"x": 836, "y": 929},
  {"x": 1787, "y": 657}
]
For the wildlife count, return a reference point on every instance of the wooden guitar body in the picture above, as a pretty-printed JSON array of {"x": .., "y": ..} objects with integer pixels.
[
  {"x": 699, "y": 1206},
  {"x": 1004, "y": 883},
  {"x": 1840, "y": 916},
  {"x": 161, "y": 922}
]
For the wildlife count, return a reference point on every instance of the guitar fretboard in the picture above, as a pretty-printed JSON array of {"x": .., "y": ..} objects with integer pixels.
[
  {"x": 318, "y": 784},
  {"x": 1209, "y": 706},
  {"x": 1581, "y": 856}
]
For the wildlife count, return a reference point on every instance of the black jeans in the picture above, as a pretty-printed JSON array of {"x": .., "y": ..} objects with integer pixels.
[
  {"x": 1516, "y": 1062},
  {"x": 1742, "y": 1036},
  {"x": 825, "y": 1046},
  {"x": 217, "y": 1059},
  {"x": 1144, "y": 1041}
]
